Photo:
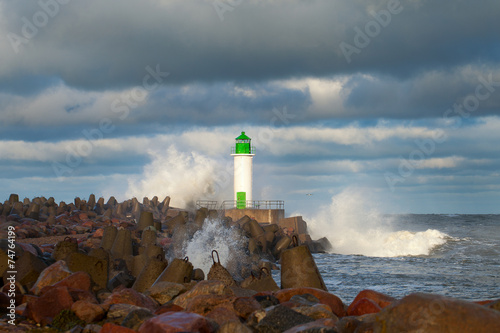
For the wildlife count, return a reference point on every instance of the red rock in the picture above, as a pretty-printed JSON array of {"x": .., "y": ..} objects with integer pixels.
[
  {"x": 221, "y": 315},
  {"x": 20, "y": 309},
  {"x": 168, "y": 308},
  {"x": 112, "y": 328},
  {"x": 244, "y": 306},
  {"x": 313, "y": 326},
  {"x": 203, "y": 304},
  {"x": 4, "y": 301},
  {"x": 28, "y": 247},
  {"x": 495, "y": 305},
  {"x": 88, "y": 224},
  {"x": 316, "y": 311},
  {"x": 177, "y": 322},
  {"x": 46, "y": 307},
  {"x": 363, "y": 306},
  {"x": 382, "y": 300},
  {"x": 82, "y": 295},
  {"x": 18, "y": 291},
  {"x": 98, "y": 233},
  {"x": 51, "y": 275},
  {"x": 430, "y": 313},
  {"x": 324, "y": 297},
  {"x": 201, "y": 288},
  {"x": 79, "y": 280},
  {"x": 47, "y": 248},
  {"x": 130, "y": 296},
  {"x": 83, "y": 216},
  {"x": 88, "y": 311}
]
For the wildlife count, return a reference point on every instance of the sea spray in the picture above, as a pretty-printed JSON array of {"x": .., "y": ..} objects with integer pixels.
[
  {"x": 215, "y": 235},
  {"x": 184, "y": 177},
  {"x": 353, "y": 225}
]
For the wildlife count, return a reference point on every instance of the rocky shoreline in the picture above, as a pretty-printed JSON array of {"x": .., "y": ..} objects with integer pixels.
[{"x": 96, "y": 266}]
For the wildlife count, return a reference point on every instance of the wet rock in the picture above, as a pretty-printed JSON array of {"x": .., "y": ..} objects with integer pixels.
[
  {"x": 233, "y": 327},
  {"x": 178, "y": 322},
  {"x": 51, "y": 275},
  {"x": 266, "y": 300},
  {"x": 164, "y": 292},
  {"x": 118, "y": 312},
  {"x": 280, "y": 319},
  {"x": 495, "y": 305},
  {"x": 201, "y": 288},
  {"x": 317, "y": 311},
  {"x": 244, "y": 306},
  {"x": 130, "y": 296},
  {"x": 380, "y": 299},
  {"x": 348, "y": 324},
  {"x": 430, "y": 313},
  {"x": 44, "y": 308},
  {"x": 113, "y": 328},
  {"x": 88, "y": 311},
  {"x": 136, "y": 317},
  {"x": 363, "y": 306},
  {"x": 203, "y": 304},
  {"x": 168, "y": 307},
  {"x": 324, "y": 325},
  {"x": 324, "y": 297},
  {"x": 79, "y": 280},
  {"x": 222, "y": 315},
  {"x": 121, "y": 279},
  {"x": 303, "y": 300}
]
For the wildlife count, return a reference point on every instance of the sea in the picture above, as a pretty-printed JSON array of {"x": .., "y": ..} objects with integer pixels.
[
  {"x": 452, "y": 255},
  {"x": 447, "y": 254}
]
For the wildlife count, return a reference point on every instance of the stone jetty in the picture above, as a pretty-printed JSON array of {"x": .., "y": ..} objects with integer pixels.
[{"x": 106, "y": 266}]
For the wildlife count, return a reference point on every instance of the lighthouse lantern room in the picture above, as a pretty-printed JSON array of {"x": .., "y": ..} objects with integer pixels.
[{"x": 243, "y": 153}]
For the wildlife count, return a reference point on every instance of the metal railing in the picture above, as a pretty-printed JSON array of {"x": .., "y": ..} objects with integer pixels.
[
  {"x": 209, "y": 204},
  {"x": 253, "y": 204},
  {"x": 252, "y": 150},
  {"x": 250, "y": 204}
]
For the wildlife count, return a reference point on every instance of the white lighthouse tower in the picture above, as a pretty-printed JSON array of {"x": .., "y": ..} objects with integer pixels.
[{"x": 243, "y": 153}]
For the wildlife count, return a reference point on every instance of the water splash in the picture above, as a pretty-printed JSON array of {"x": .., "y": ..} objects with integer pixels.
[
  {"x": 228, "y": 242},
  {"x": 185, "y": 177},
  {"x": 353, "y": 225}
]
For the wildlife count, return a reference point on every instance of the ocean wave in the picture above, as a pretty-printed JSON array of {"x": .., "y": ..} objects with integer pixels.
[{"x": 354, "y": 226}]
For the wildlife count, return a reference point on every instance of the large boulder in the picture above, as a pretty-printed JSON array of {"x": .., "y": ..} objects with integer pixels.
[
  {"x": 431, "y": 313},
  {"x": 178, "y": 322}
]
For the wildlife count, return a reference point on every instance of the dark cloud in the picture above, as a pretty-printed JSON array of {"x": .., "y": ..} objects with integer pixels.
[{"x": 96, "y": 45}]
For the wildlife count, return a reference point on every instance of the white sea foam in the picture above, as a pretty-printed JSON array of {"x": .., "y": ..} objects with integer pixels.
[
  {"x": 354, "y": 226},
  {"x": 215, "y": 236}
]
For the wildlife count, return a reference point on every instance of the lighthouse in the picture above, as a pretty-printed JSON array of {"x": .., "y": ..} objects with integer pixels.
[{"x": 243, "y": 154}]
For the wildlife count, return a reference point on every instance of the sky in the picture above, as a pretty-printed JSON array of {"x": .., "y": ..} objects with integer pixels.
[{"x": 396, "y": 100}]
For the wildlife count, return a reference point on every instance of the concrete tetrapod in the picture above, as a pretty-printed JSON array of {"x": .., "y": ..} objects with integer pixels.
[{"x": 298, "y": 268}]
